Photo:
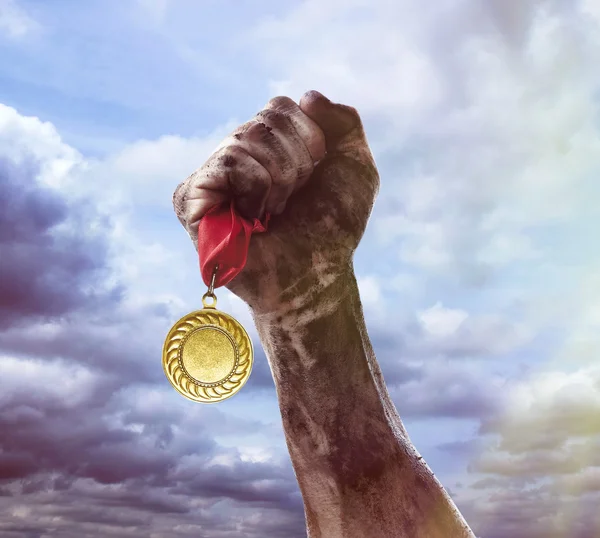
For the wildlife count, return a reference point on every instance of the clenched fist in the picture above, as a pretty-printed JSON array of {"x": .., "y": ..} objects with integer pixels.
[{"x": 310, "y": 166}]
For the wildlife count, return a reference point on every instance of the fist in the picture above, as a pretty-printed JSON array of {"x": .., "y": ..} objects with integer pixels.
[{"x": 309, "y": 165}]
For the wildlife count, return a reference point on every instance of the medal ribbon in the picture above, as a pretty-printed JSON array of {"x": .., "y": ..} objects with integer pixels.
[{"x": 223, "y": 239}]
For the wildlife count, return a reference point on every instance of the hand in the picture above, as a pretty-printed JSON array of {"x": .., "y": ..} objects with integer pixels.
[{"x": 310, "y": 166}]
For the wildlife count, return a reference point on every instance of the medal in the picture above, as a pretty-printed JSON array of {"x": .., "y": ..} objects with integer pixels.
[{"x": 207, "y": 355}]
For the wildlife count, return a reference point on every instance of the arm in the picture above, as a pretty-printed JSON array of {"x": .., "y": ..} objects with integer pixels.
[{"x": 358, "y": 472}]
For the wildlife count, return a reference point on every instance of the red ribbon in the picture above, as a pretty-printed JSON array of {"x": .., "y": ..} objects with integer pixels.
[{"x": 223, "y": 239}]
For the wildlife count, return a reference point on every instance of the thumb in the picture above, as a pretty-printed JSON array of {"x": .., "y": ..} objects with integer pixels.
[
  {"x": 347, "y": 177},
  {"x": 341, "y": 124}
]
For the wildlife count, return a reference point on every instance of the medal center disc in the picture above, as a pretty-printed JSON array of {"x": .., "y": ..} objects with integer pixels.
[{"x": 208, "y": 355}]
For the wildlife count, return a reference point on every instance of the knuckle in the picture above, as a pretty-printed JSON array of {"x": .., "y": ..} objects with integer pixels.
[
  {"x": 311, "y": 94},
  {"x": 352, "y": 110},
  {"x": 272, "y": 117},
  {"x": 179, "y": 197},
  {"x": 229, "y": 156},
  {"x": 244, "y": 175},
  {"x": 281, "y": 102},
  {"x": 239, "y": 131}
]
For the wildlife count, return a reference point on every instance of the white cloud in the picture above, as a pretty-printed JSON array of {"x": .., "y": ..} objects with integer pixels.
[
  {"x": 552, "y": 406},
  {"x": 542, "y": 453},
  {"x": 27, "y": 138},
  {"x": 454, "y": 333},
  {"x": 481, "y": 115},
  {"x": 582, "y": 344},
  {"x": 58, "y": 380},
  {"x": 15, "y": 22},
  {"x": 404, "y": 283},
  {"x": 591, "y": 8},
  {"x": 440, "y": 321},
  {"x": 151, "y": 253},
  {"x": 305, "y": 45},
  {"x": 370, "y": 290},
  {"x": 255, "y": 454}
]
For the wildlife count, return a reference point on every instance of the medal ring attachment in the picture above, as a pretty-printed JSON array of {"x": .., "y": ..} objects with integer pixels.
[
  {"x": 210, "y": 294},
  {"x": 209, "y": 300}
]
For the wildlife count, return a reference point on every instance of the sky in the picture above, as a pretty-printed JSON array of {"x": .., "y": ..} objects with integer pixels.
[{"x": 479, "y": 273}]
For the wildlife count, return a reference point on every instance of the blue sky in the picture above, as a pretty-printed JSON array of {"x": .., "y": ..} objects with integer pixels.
[
  {"x": 138, "y": 69},
  {"x": 478, "y": 270}
]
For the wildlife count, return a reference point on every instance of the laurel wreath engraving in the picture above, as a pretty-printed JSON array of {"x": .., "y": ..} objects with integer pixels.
[{"x": 192, "y": 388}]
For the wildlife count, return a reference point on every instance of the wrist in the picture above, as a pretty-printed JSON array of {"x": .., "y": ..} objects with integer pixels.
[{"x": 318, "y": 293}]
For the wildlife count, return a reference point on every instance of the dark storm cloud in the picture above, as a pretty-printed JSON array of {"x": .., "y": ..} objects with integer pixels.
[
  {"x": 257, "y": 483},
  {"x": 46, "y": 271},
  {"x": 526, "y": 512},
  {"x": 126, "y": 346},
  {"x": 54, "y": 269},
  {"x": 432, "y": 376},
  {"x": 130, "y": 466},
  {"x": 77, "y": 444},
  {"x": 82, "y": 446},
  {"x": 80, "y": 513},
  {"x": 446, "y": 392}
]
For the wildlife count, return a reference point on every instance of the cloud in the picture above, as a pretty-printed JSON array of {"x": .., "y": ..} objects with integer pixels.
[
  {"x": 52, "y": 265},
  {"x": 552, "y": 408},
  {"x": 93, "y": 437},
  {"x": 481, "y": 140},
  {"x": 541, "y": 454},
  {"x": 97, "y": 426},
  {"x": 481, "y": 117},
  {"x": 446, "y": 390},
  {"x": 139, "y": 456},
  {"x": 440, "y": 321},
  {"x": 15, "y": 22},
  {"x": 439, "y": 331}
]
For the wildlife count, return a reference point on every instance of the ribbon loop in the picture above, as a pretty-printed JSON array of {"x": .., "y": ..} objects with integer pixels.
[{"x": 223, "y": 240}]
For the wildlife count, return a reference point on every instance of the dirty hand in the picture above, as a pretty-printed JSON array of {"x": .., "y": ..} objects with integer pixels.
[{"x": 310, "y": 166}]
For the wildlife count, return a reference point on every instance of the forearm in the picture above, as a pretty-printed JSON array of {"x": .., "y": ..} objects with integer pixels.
[
  {"x": 322, "y": 364},
  {"x": 354, "y": 463}
]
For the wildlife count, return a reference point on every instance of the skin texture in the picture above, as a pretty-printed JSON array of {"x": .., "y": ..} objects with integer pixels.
[{"x": 310, "y": 165}]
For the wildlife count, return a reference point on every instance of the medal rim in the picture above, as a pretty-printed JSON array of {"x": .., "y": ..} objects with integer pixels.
[{"x": 167, "y": 341}]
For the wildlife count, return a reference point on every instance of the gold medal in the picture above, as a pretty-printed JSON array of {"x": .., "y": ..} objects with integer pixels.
[{"x": 208, "y": 355}]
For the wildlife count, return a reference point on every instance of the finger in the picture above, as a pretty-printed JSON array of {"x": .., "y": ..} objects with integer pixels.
[
  {"x": 344, "y": 132},
  {"x": 257, "y": 139},
  {"x": 297, "y": 155},
  {"x": 272, "y": 140},
  {"x": 229, "y": 172},
  {"x": 249, "y": 181},
  {"x": 310, "y": 133},
  {"x": 191, "y": 201}
]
